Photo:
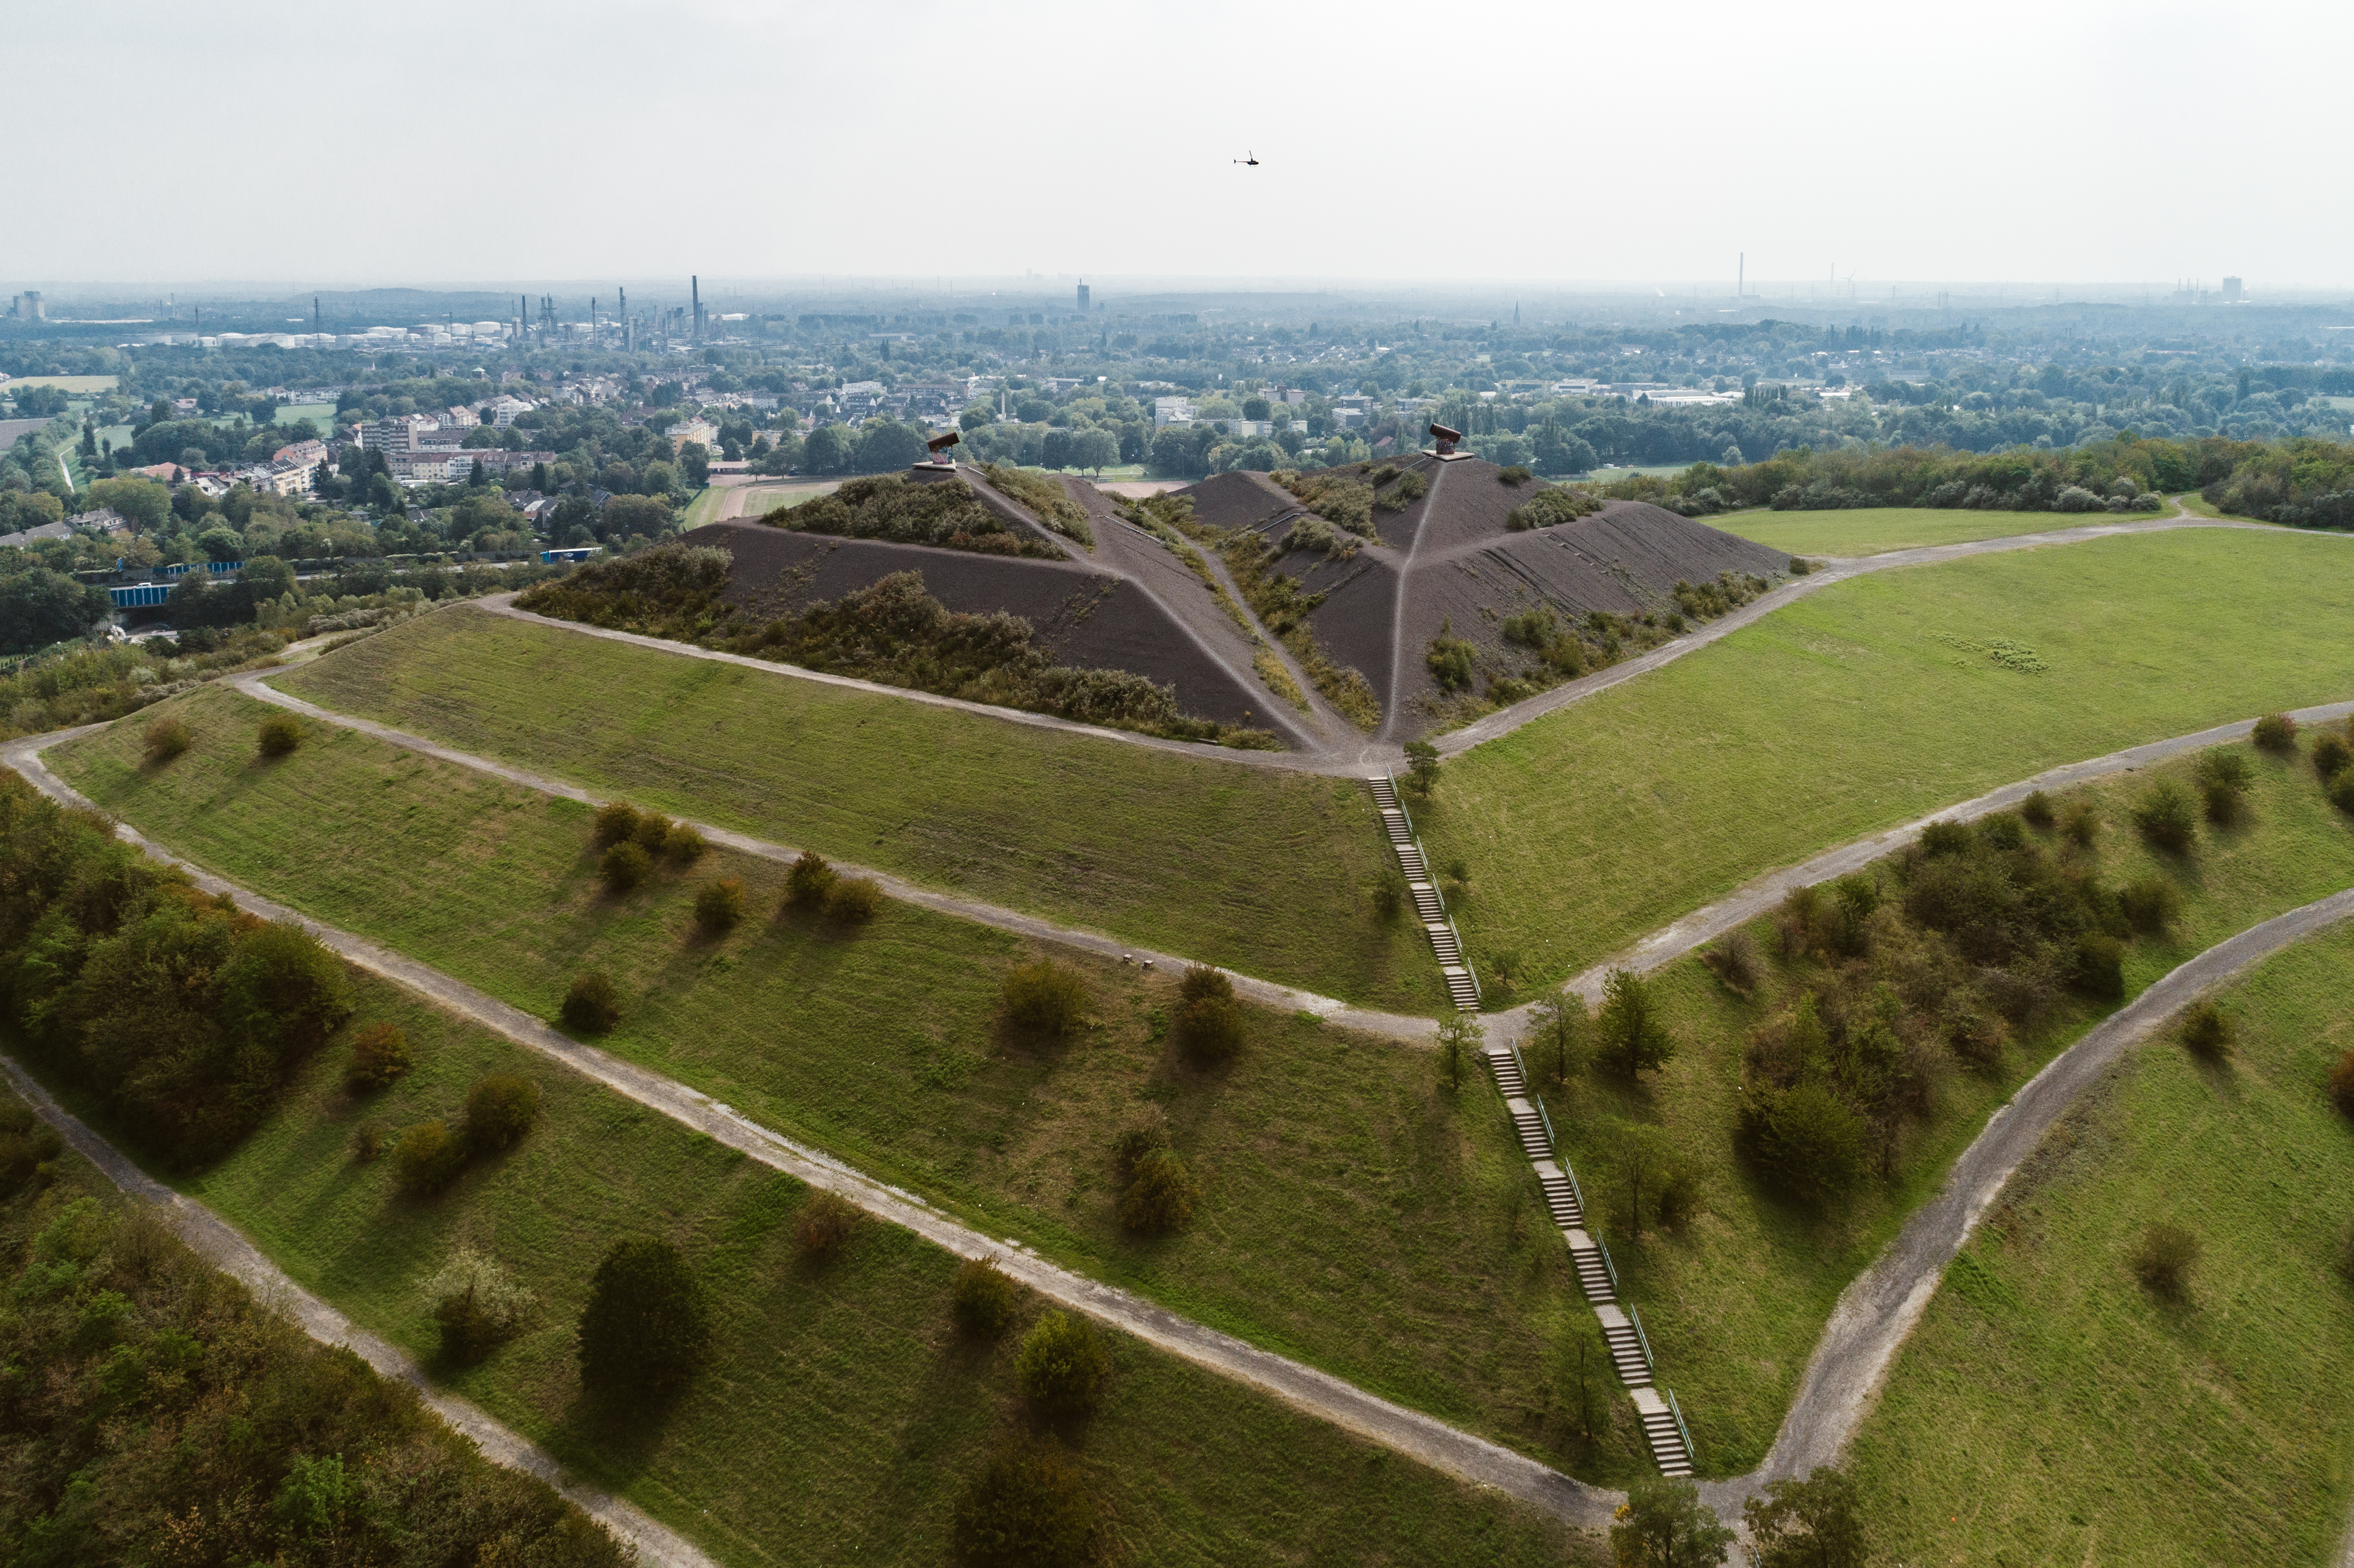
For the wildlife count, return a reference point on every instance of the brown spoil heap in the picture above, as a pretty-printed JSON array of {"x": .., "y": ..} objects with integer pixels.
[
  {"x": 1128, "y": 604},
  {"x": 1449, "y": 560}
]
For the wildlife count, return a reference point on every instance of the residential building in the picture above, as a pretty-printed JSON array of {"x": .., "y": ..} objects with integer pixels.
[
  {"x": 1171, "y": 412},
  {"x": 702, "y": 431},
  {"x": 28, "y": 538}
]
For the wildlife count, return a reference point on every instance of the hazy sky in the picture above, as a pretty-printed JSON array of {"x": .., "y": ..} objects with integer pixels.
[{"x": 428, "y": 141}]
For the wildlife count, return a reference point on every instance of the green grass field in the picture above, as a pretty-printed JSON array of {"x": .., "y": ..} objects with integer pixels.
[
  {"x": 2048, "y": 1409},
  {"x": 1357, "y": 1215},
  {"x": 75, "y": 383},
  {"x": 1735, "y": 1300},
  {"x": 1866, "y": 705},
  {"x": 704, "y": 508},
  {"x": 842, "y": 1412},
  {"x": 1265, "y": 872},
  {"x": 1870, "y": 531}
]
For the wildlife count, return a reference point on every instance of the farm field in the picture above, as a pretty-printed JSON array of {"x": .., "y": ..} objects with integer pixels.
[
  {"x": 1863, "y": 707},
  {"x": 1264, "y": 872},
  {"x": 842, "y": 1412},
  {"x": 2049, "y": 1409},
  {"x": 1871, "y": 531},
  {"x": 1734, "y": 1351},
  {"x": 1356, "y": 1215}
]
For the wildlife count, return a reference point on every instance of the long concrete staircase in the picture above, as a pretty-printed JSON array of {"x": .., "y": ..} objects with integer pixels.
[
  {"x": 1622, "y": 1326},
  {"x": 1429, "y": 904}
]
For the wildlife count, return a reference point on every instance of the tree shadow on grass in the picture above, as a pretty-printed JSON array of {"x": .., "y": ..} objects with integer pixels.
[{"x": 615, "y": 1437}]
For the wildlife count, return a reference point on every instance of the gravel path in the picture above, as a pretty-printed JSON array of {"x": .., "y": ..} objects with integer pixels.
[
  {"x": 1878, "y": 1310},
  {"x": 1351, "y": 755},
  {"x": 1458, "y": 1453},
  {"x": 219, "y": 1243}
]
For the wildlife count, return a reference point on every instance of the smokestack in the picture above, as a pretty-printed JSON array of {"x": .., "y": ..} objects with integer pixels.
[{"x": 314, "y": 315}]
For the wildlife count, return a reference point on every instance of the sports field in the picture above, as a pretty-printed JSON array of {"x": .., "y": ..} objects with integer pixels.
[
  {"x": 2051, "y": 1409},
  {"x": 1267, "y": 873},
  {"x": 1867, "y": 705},
  {"x": 1356, "y": 1215}
]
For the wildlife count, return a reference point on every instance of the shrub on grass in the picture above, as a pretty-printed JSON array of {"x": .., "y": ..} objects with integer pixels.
[
  {"x": 1062, "y": 1366},
  {"x": 593, "y": 1006},
  {"x": 2227, "y": 765},
  {"x": 625, "y": 865},
  {"x": 646, "y": 1325},
  {"x": 2330, "y": 757},
  {"x": 2206, "y": 1031},
  {"x": 428, "y": 1159},
  {"x": 1211, "y": 1030},
  {"x": 1160, "y": 1195},
  {"x": 2164, "y": 1260},
  {"x": 1147, "y": 1132},
  {"x": 1043, "y": 997},
  {"x": 1628, "y": 1034},
  {"x": 500, "y": 1108},
  {"x": 2222, "y": 803},
  {"x": 1422, "y": 765},
  {"x": 652, "y": 832},
  {"x": 2341, "y": 792},
  {"x": 853, "y": 900},
  {"x": 2150, "y": 902},
  {"x": 1941, "y": 839},
  {"x": 2003, "y": 830},
  {"x": 809, "y": 880},
  {"x": 2082, "y": 825},
  {"x": 1515, "y": 475},
  {"x": 1735, "y": 962},
  {"x": 2341, "y": 1085},
  {"x": 281, "y": 733},
  {"x": 683, "y": 845},
  {"x": 1029, "y": 1508},
  {"x": 166, "y": 739},
  {"x": 2275, "y": 732},
  {"x": 368, "y": 1140},
  {"x": 1807, "y": 1141},
  {"x": 477, "y": 1303},
  {"x": 1389, "y": 893},
  {"x": 380, "y": 1055},
  {"x": 982, "y": 1298},
  {"x": 827, "y": 1221},
  {"x": 617, "y": 822},
  {"x": 719, "y": 906},
  {"x": 2100, "y": 966},
  {"x": 2163, "y": 817},
  {"x": 2037, "y": 810}
]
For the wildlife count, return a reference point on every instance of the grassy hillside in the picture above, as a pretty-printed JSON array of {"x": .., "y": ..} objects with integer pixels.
[
  {"x": 2048, "y": 1409},
  {"x": 1866, "y": 705},
  {"x": 1356, "y": 1215},
  {"x": 842, "y": 1412},
  {"x": 1734, "y": 1300},
  {"x": 1870, "y": 530},
  {"x": 1263, "y": 871}
]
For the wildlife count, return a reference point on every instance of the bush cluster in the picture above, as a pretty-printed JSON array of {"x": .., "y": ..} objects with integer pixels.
[
  {"x": 982, "y": 1298},
  {"x": 180, "y": 1016},
  {"x": 500, "y": 1109},
  {"x": 116, "y": 1327},
  {"x": 719, "y": 906},
  {"x": 812, "y": 883},
  {"x": 280, "y": 735},
  {"x": 380, "y": 1055},
  {"x": 1043, "y": 997},
  {"x": 1209, "y": 1019},
  {"x": 945, "y": 514},
  {"x": 1062, "y": 1366},
  {"x": 827, "y": 1221},
  {"x": 166, "y": 739},
  {"x": 592, "y": 1005}
]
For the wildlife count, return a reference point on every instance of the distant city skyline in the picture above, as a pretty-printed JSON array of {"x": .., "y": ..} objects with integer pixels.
[{"x": 2076, "y": 143}]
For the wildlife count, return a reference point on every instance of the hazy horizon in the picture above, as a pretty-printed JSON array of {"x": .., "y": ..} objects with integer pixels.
[{"x": 1500, "y": 145}]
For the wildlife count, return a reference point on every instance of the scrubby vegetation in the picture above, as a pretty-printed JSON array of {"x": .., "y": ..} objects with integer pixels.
[
  {"x": 592, "y": 1004},
  {"x": 982, "y": 1298},
  {"x": 477, "y": 1304},
  {"x": 1340, "y": 495},
  {"x": 157, "y": 1414},
  {"x": 1553, "y": 504},
  {"x": 1062, "y": 1365},
  {"x": 646, "y": 1325},
  {"x": 280, "y": 735},
  {"x": 180, "y": 1014},
  {"x": 1045, "y": 997},
  {"x": 1276, "y": 599},
  {"x": 892, "y": 632},
  {"x": 1043, "y": 498},
  {"x": 941, "y": 513}
]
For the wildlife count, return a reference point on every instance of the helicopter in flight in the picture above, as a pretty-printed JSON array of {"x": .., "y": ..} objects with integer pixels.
[{"x": 1249, "y": 161}]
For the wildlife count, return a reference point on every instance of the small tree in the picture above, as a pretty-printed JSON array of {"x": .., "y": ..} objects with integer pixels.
[
  {"x": 2205, "y": 1031},
  {"x": 808, "y": 881},
  {"x": 827, "y": 1221},
  {"x": 1062, "y": 1366},
  {"x": 645, "y": 1326},
  {"x": 1806, "y": 1140},
  {"x": 1160, "y": 1195},
  {"x": 2330, "y": 757},
  {"x": 853, "y": 900},
  {"x": 280, "y": 735},
  {"x": 616, "y": 823},
  {"x": 1651, "y": 1163},
  {"x": 380, "y": 1055},
  {"x": 1663, "y": 1525},
  {"x": 476, "y": 1303},
  {"x": 2081, "y": 824},
  {"x": 2341, "y": 1085},
  {"x": 500, "y": 1108},
  {"x": 1045, "y": 997},
  {"x": 625, "y": 865},
  {"x": 1559, "y": 1028},
  {"x": 1422, "y": 765},
  {"x": 1629, "y": 1036},
  {"x": 166, "y": 739},
  {"x": 1735, "y": 962},
  {"x": 2164, "y": 816},
  {"x": 2150, "y": 902},
  {"x": 683, "y": 845},
  {"x": 1389, "y": 893},
  {"x": 1028, "y": 1509},
  {"x": 719, "y": 906},
  {"x": 653, "y": 833},
  {"x": 2275, "y": 732},
  {"x": 1814, "y": 1523},
  {"x": 2037, "y": 810},
  {"x": 428, "y": 1159},
  {"x": 2165, "y": 1258},
  {"x": 593, "y": 1006},
  {"x": 982, "y": 1298},
  {"x": 1460, "y": 1037}
]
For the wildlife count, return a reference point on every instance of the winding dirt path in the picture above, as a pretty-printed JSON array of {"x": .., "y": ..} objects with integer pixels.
[
  {"x": 220, "y": 1244},
  {"x": 1460, "y": 1453}
]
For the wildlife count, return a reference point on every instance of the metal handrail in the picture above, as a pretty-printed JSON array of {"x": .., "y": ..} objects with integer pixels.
[
  {"x": 1399, "y": 796},
  {"x": 1552, "y": 1144},
  {"x": 1690, "y": 1455},
  {"x": 1635, "y": 1317},
  {"x": 1522, "y": 1067},
  {"x": 1574, "y": 1190},
  {"x": 1608, "y": 1267}
]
